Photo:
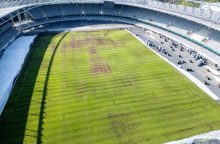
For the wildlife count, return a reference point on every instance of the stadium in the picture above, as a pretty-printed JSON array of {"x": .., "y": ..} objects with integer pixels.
[{"x": 109, "y": 72}]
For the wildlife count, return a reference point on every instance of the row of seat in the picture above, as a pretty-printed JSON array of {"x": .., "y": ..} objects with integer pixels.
[
  {"x": 188, "y": 28},
  {"x": 5, "y": 27},
  {"x": 142, "y": 14},
  {"x": 7, "y": 36}
]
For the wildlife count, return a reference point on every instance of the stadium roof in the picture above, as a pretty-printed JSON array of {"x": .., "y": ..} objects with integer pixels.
[
  {"x": 7, "y": 10},
  {"x": 12, "y": 3}
]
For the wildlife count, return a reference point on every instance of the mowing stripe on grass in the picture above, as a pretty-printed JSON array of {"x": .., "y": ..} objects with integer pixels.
[{"x": 140, "y": 99}]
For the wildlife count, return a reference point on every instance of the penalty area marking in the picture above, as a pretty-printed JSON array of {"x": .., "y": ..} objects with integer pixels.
[{"x": 188, "y": 75}]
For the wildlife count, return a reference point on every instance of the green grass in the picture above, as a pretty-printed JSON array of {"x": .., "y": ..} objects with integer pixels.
[
  {"x": 189, "y": 4},
  {"x": 103, "y": 87}
]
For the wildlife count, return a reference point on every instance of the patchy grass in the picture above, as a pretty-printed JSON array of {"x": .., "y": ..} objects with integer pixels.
[{"x": 103, "y": 87}]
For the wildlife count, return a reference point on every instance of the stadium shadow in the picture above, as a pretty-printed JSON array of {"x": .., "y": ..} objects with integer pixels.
[
  {"x": 40, "y": 128},
  {"x": 13, "y": 122}
]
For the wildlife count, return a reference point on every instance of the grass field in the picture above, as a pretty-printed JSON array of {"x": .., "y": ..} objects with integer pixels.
[{"x": 102, "y": 87}]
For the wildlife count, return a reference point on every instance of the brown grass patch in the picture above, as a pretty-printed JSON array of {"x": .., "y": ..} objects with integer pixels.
[
  {"x": 92, "y": 50},
  {"x": 101, "y": 69},
  {"x": 64, "y": 47},
  {"x": 93, "y": 40},
  {"x": 98, "y": 64},
  {"x": 53, "y": 46}
]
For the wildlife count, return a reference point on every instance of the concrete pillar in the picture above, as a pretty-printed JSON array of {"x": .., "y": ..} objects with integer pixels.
[{"x": 19, "y": 17}]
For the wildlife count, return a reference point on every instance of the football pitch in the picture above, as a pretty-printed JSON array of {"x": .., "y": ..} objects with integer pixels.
[{"x": 102, "y": 87}]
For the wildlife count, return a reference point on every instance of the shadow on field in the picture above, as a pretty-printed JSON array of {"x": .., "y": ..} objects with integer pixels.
[
  {"x": 15, "y": 115},
  {"x": 40, "y": 128}
]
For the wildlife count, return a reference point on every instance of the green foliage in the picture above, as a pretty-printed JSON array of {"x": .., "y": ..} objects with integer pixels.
[
  {"x": 190, "y": 4},
  {"x": 213, "y": 1}
]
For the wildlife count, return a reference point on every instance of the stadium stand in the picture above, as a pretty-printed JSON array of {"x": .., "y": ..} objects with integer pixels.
[
  {"x": 198, "y": 32},
  {"x": 206, "y": 36},
  {"x": 7, "y": 37}
]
